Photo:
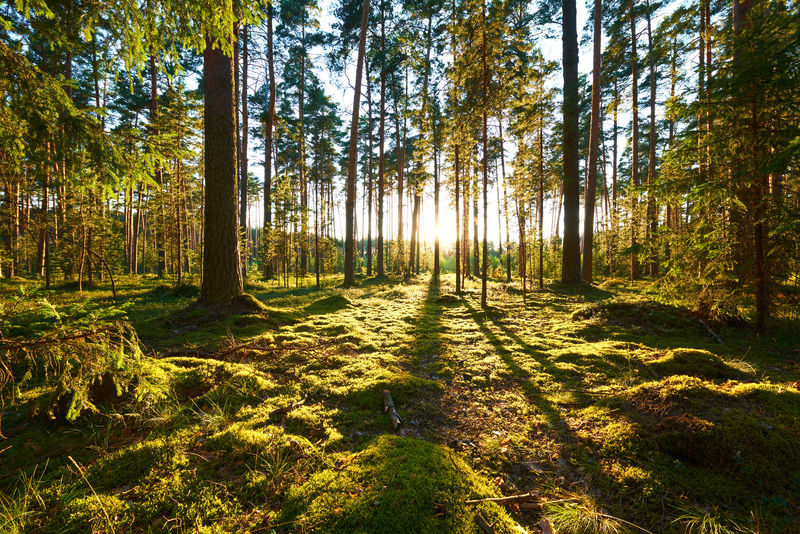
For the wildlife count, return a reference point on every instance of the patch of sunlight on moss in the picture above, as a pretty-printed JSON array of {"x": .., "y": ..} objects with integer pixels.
[
  {"x": 693, "y": 362},
  {"x": 394, "y": 485}
]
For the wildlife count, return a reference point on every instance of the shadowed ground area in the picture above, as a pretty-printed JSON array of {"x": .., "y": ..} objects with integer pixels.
[{"x": 623, "y": 414}]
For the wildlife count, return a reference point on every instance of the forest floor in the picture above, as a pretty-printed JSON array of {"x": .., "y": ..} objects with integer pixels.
[{"x": 621, "y": 413}]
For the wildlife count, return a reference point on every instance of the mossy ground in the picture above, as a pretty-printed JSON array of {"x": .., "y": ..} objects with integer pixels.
[{"x": 626, "y": 407}]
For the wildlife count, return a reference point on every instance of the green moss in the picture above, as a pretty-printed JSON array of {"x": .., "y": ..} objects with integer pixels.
[
  {"x": 394, "y": 485},
  {"x": 693, "y": 362},
  {"x": 329, "y": 304}
]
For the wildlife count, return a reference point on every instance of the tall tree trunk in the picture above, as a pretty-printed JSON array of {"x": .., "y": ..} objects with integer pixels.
[
  {"x": 267, "y": 238},
  {"x": 352, "y": 163},
  {"x": 400, "y": 169},
  {"x": 484, "y": 90},
  {"x": 222, "y": 275},
  {"x": 381, "y": 160},
  {"x": 243, "y": 181},
  {"x": 301, "y": 97},
  {"x": 369, "y": 172},
  {"x": 540, "y": 203},
  {"x": 652, "y": 213},
  {"x": 614, "y": 209},
  {"x": 505, "y": 200},
  {"x": 634, "y": 145},
  {"x": 594, "y": 131},
  {"x": 571, "y": 256},
  {"x": 161, "y": 253},
  {"x": 476, "y": 263}
]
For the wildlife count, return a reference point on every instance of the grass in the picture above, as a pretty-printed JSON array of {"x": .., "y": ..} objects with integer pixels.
[{"x": 625, "y": 406}]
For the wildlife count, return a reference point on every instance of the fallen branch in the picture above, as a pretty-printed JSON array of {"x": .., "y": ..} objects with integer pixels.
[
  {"x": 289, "y": 408},
  {"x": 47, "y": 340},
  {"x": 388, "y": 406},
  {"x": 544, "y": 524},
  {"x": 542, "y": 504},
  {"x": 511, "y": 499},
  {"x": 485, "y": 525},
  {"x": 713, "y": 334}
]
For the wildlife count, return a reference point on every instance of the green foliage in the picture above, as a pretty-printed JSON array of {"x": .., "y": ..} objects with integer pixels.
[{"x": 75, "y": 358}]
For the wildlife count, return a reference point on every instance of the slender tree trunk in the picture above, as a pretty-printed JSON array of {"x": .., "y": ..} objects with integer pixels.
[
  {"x": 634, "y": 145},
  {"x": 301, "y": 97},
  {"x": 571, "y": 266},
  {"x": 485, "y": 84},
  {"x": 400, "y": 169},
  {"x": 505, "y": 201},
  {"x": 349, "y": 270},
  {"x": 222, "y": 274},
  {"x": 540, "y": 203},
  {"x": 369, "y": 172},
  {"x": 476, "y": 263},
  {"x": 458, "y": 221},
  {"x": 594, "y": 131},
  {"x": 267, "y": 238},
  {"x": 243, "y": 181},
  {"x": 652, "y": 208},
  {"x": 381, "y": 161},
  {"x": 614, "y": 209},
  {"x": 414, "y": 234}
]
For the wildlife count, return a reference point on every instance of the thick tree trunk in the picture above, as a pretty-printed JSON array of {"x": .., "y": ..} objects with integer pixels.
[
  {"x": 594, "y": 131},
  {"x": 571, "y": 255},
  {"x": 352, "y": 163},
  {"x": 222, "y": 275}
]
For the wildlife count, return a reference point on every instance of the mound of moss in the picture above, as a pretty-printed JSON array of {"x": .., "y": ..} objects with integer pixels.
[
  {"x": 744, "y": 430},
  {"x": 396, "y": 484},
  {"x": 329, "y": 304},
  {"x": 638, "y": 313},
  {"x": 692, "y": 362}
]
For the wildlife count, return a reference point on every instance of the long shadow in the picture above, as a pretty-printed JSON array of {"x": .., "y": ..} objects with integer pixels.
[{"x": 534, "y": 394}]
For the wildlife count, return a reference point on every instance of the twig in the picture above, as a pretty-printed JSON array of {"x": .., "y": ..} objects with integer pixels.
[
  {"x": 289, "y": 408},
  {"x": 388, "y": 406},
  {"x": 96, "y": 496},
  {"x": 511, "y": 499},
  {"x": 546, "y": 527},
  {"x": 713, "y": 334},
  {"x": 485, "y": 525},
  {"x": 46, "y": 341}
]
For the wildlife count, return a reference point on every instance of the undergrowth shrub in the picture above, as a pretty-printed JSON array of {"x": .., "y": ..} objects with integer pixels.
[{"x": 76, "y": 358}]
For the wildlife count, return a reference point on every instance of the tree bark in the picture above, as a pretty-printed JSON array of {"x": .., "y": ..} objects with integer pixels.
[
  {"x": 594, "y": 131},
  {"x": 571, "y": 254},
  {"x": 380, "y": 271},
  {"x": 485, "y": 80},
  {"x": 652, "y": 209},
  {"x": 352, "y": 163},
  {"x": 267, "y": 238},
  {"x": 222, "y": 275},
  {"x": 243, "y": 181},
  {"x": 635, "y": 271}
]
